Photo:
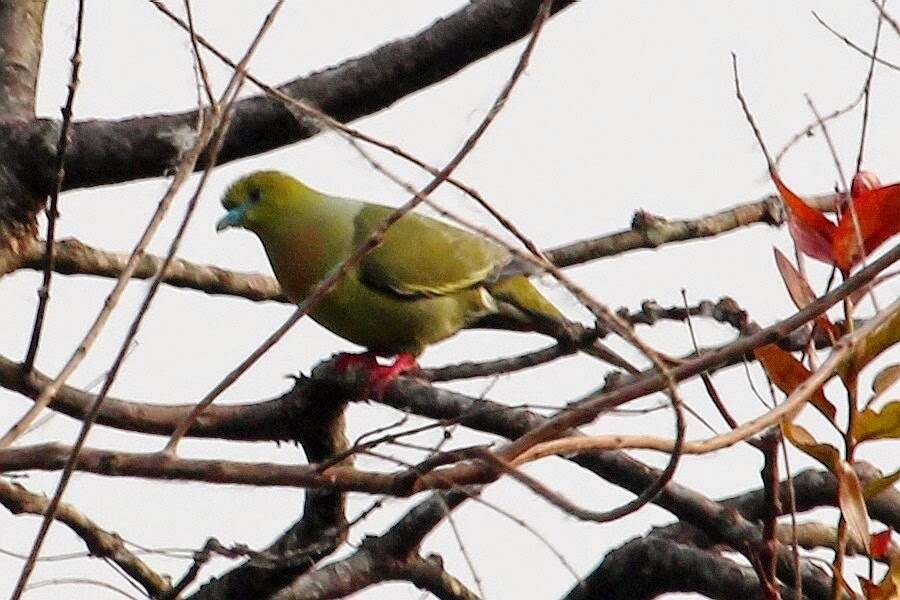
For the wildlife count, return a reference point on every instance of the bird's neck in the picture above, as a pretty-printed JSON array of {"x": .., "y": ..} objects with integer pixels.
[{"x": 308, "y": 241}]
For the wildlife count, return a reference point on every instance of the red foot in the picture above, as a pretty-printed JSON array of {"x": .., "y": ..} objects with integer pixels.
[{"x": 380, "y": 376}]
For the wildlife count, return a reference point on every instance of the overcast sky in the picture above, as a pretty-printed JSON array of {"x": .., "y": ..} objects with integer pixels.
[{"x": 625, "y": 106}]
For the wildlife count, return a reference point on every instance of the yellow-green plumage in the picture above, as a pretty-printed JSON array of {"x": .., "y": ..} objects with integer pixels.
[{"x": 425, "y": 282}]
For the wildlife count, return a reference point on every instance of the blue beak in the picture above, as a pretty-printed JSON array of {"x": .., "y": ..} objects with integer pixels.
[{"x": 233, "y": 218}]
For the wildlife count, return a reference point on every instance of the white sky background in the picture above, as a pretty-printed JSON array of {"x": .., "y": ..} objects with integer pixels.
[{"x": 624, "y": 106}]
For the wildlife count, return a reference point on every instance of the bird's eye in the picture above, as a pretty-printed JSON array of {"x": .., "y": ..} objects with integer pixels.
[{"x": 254, "y": 195}]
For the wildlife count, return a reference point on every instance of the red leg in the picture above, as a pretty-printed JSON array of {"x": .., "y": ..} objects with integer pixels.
[{"x": 382, "y": 376}]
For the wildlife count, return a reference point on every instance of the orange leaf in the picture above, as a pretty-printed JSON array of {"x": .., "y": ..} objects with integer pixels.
[
  {"x": 804, "y": 441},
  {"x": 800, "y": 292},
  {"x": 883, "y": 381},
  {"x": 852, "y": 504},
  {"x": 812, "y": 232},
  {"x": 878, "y": 213},
  {"x": 786, "y": 372}
]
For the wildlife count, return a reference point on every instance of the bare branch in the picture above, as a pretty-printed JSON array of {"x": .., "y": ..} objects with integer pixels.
[
  {"x": 76, "y": 258},
  {"x": 319, "y": 426},
  {"x": 586, "y": 410},
  {"x": 647, "y": 232},
  {"x": 21, "y": 41},
  {"x": 666, "y": 566},
  {"x": 99, "y": 542},
  {"x": 105, "y": 152},
  {"x": 52, "y": 208}
]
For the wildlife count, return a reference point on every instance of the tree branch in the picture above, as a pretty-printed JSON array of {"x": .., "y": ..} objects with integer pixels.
[
  {"x": 99, "y": 542},
  {"x": 21, "y": 41},
  {"x": 105, "y": 152},
  {"x": 383, "y": 558},
  {"x": 276, "y": 419},
  {"x": 649, "y": 231},
  {"x": 647, "y": 567},
  {"x": 76, "y": 258},
  {"x": 320, "y": 429}
]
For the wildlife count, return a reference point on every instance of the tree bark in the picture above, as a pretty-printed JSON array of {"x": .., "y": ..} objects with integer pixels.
[{"x": 21, "y": 33}]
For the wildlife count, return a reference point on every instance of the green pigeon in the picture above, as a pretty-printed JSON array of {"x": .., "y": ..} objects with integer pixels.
[{"x": 426, "y": 280}]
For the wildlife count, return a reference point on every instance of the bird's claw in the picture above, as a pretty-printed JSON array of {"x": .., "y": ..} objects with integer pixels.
[{"x": 379, "y": 376}]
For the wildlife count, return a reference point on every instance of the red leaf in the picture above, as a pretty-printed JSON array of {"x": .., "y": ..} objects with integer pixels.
[
  {"x": 786, "y": 372},
  {"x": 812, "y": 232},
  {"x": 878, "y": 212},
  {"x": 880, "y": 543}
]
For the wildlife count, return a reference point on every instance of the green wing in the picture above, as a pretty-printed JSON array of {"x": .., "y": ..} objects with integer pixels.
[{"x": 421, "y": 256}]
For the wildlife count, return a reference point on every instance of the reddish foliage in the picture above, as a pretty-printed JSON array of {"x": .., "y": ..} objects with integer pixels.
[
  {"x": 877, "y": 211},
  {"x": 880, "y": 543},
  {"x": 812, "y": 232}
]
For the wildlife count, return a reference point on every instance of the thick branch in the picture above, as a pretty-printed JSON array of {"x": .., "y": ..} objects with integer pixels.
[
  {"x": 110, "y": 463},
  {"x": 720, "y": 522},
  {"x": 428, "y": 574},
  {"x": 21, "y": 32},
  {"x": 383, "y": 558},
  {"x": 104, "y": 152},
  {"x": 814, "y": 488},
  {"x": 323, "y": 526},
  {"x": 645, "y": 568},
  {"x": 21, "y": 40},
  {"x": 99, "y": 542}
]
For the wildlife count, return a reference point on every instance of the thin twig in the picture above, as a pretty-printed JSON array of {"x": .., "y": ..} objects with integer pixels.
[
  {"x": 100, "y": 543},
  {"x": 845, "y": 193},
  {"x": 749, "y": 116},
  {"x": 867, "y": 88},
  {"x": 644, "y": 498},
  {"x": 792, "y": 510},
  {"x": 707, "y": 380},
  {"x": 832, "y": 149},
  {"x": 52, "y": 208},
  {"x": 534, "y": 532},
  {"x": 853, "y": 45},
  {"x": 198, "y": 59},
  {"x": 470, "y": 564},
  {"x": 807, "y": 131},
  {"x": 81, "y": 581}
]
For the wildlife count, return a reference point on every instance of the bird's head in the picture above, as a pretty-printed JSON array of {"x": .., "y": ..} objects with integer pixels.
[{"x": 257, "y": 199}]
